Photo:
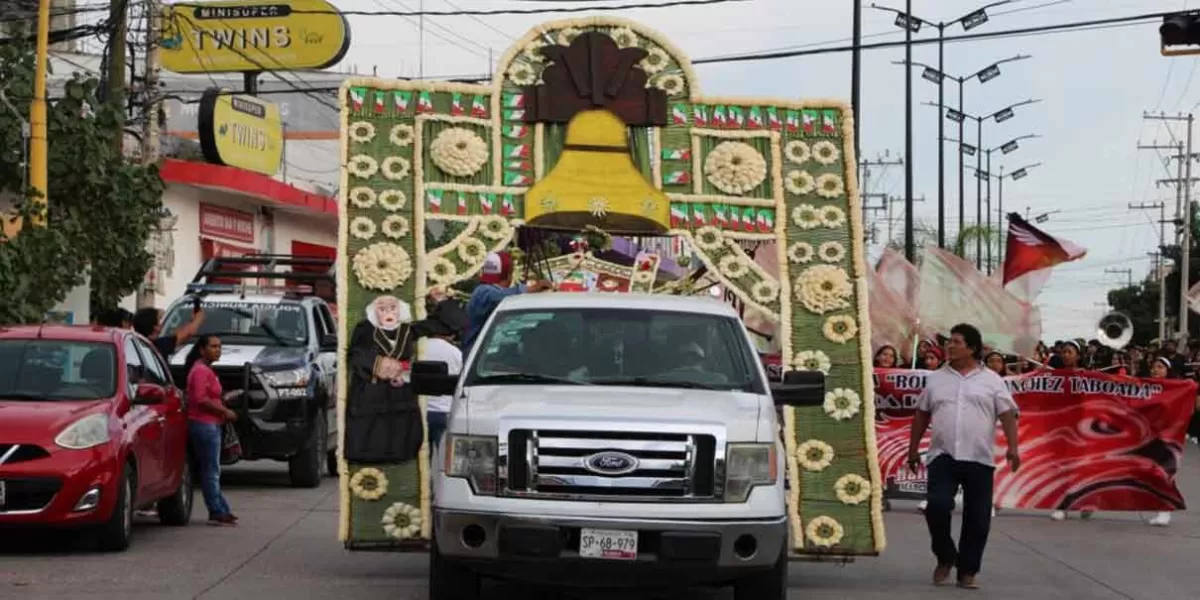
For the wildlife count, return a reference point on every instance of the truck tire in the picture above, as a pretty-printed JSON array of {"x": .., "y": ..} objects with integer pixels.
[
  {"x": 769, "y": 585},
  {"x": 304, "y": 469},
  {"x": 450, "y": 581},
  {"x": 117, "y": 532},
  {"x": 176, "y": 510}
]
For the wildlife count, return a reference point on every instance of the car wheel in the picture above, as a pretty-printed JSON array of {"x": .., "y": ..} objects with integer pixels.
[
  {"x": 176, "y": 510},
  {"x": 117, "y": 532},
  {"x": 304, "y": 469},
  {"x": 451, "y": 581},
  {"x": 769, "y": 585}
]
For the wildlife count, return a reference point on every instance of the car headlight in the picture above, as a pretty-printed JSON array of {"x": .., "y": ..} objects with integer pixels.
[
  {"x": 88, "y": 432},
  {"x": 285, "y": 379},
  {"x": 747, "y": 466},
  {"x": 472, "y": 458}
]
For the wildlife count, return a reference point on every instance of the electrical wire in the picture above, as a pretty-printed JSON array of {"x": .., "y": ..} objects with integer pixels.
[{"x": 503, "y": 11}]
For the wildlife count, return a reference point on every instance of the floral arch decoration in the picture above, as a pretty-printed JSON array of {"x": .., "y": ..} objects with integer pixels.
[{"x": 437, "y": 174}]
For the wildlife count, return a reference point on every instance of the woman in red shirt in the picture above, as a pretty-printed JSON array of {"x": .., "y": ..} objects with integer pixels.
[{"x": 207, "y": 413}]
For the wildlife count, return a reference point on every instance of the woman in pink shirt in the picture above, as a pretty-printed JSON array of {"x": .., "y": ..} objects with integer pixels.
[{"x": 207, "y": 413}]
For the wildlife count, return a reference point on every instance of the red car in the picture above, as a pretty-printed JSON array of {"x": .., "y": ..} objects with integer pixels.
[{"x": 92, "y": 428}]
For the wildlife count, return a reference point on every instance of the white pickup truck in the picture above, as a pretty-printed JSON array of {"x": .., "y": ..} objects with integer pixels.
[{"x": 611, "y": 440}]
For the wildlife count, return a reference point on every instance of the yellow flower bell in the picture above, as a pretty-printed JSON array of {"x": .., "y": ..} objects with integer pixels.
[{"x": 596, "y": 183}]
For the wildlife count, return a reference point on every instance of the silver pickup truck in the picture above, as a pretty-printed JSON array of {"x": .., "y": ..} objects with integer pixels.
[{"x": 611, "y": 440}]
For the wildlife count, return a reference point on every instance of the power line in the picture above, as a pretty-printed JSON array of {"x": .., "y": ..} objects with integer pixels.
[{"x": 503, "y": 11}]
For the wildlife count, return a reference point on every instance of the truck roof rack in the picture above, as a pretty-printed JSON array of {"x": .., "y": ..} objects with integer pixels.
[{"x": 258, "y": 267}]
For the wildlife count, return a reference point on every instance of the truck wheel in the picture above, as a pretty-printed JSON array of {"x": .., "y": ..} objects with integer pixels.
[
  {"x": 176, "y": 509},
  {"x": 770, "y": 585},
  {"x": 305, "y": 468},
  {"x": 116, "y": 533},
  {"x": 449, "y": 581}
]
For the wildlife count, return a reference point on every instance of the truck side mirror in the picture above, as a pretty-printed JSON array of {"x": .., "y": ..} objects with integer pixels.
[
  {"x": 433, "y": 378},
  {"x": 799, "y": 388}
]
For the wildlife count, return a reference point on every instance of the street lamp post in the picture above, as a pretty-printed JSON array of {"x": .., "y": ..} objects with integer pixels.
[{"x": 1016, "y": 175}]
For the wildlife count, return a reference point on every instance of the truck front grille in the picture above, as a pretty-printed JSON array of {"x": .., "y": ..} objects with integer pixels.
[{"x": 555, "y": 463}]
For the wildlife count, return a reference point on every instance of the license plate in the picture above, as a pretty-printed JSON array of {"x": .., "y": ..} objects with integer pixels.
[
  {"x": 3, "y": 493},
  {"x": 608, "y": 544}
]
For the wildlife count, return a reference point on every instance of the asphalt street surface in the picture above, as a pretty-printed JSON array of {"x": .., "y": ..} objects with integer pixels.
[{"x": 286, "y": 548}]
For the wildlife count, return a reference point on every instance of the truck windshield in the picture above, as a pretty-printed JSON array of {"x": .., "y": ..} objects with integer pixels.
[
  {"x": 282, "y": 323},
  {"x": 616, "y": 347}
]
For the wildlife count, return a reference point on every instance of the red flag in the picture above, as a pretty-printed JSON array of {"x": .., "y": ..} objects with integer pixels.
[{"x": 1031, "y": 249}]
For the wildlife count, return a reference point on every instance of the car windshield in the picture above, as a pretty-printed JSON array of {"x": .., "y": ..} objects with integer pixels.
[
  {"x": 50, "y": 370},
  {"x": 272, "y": 324},
  {"x": 616, "y": 347}
]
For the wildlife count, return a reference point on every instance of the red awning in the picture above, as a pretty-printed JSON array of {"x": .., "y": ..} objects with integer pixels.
[{"x": 247, "y": 183}]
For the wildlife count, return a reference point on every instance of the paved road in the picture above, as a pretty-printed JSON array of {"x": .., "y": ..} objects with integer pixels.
[{"x": 286, "y": 549}]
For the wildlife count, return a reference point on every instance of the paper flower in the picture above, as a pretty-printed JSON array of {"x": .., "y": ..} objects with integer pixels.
[
  {"x": 362, "y": 197},
  {"x": 671, "y": 84},
  {"x": 830, "y": 185},
  {"x": 852, "y": 489},
  {"x": 402, "y": 521},
  {"x": 800, "y": 253},
  {"x": 568, "y": 35},
  {"x": 796, "y": 152},
  {"x": 361, "y": 132},
  {"x": 382, "y": 266},
  {"x": 799, "y": 183},
  {"x": 656, "y": 60},
  {"x": 362, "y": 228},
  {"x": 598, "y": 207},
  {"x": 643, "y": 277},
  {"x": 840, "y": 329},
  {"x": 362, "y": 166},
  {"x": 832, "y": 252},
  {"x": 459, "y": 152},
  {"x": 764, "y": 291},
  {"x": 735, "y": 168},
  {"x": 395, "y": 168},
  {"x": 733, "y": 266},
  {"x": 813, "y": 360},
  {"x": 368, "y": 484},
  {"x": 814, "y": 455},
  {"x": 806, "y": 216},
  {"x": 401, "y": 135},
  {"x": 442, "y": 271},
  {"x": 842, "y": 403},
  {"x": 522, "y": 74},
  {"x": 709, "y": 239},
  {"x": 824, "y": 288},
  {"x": 494, "y": 228},
  {"x": 826, "y": 152},
  {"x": 624, "y": 37},
  {"x": 825, "y": 532},
  {"x": 392, "y": 200},
  {"x": 832, "y": 217},
  {"x": 472, "y": 251},
  {"x": 533, "y": 51},
  {"x": 395, "y": 227}
]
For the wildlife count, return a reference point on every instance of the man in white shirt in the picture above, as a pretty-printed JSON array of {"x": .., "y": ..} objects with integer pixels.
[
  {"x": 962, "y": 401},
  {"x": 439, "y": 346}
]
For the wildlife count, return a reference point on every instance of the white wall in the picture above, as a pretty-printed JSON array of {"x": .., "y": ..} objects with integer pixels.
[{"x": 311, "y": 229}]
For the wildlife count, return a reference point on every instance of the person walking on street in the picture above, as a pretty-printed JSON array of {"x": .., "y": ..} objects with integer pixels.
[
  {"x": 207, "y": 414},
  {"x": 962, "y": 401},
  {"x": 1070, "y": 357}
]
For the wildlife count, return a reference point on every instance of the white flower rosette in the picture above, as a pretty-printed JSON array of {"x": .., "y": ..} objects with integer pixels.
[
  {"x": 395, "y": 227},
  {"x": 402, "y": 521},
  {"x": 832, "y": 252},
  {"x": 362, "y": 196},
  {"x": 840, "y": 329},
  {"x": 764, "y": 291},
  {"x": 813, "y": 360},
  {"x": 807, "y": 216},
  {"x": 395, "y": 168},
  {"x": 824, "y": 288},
  {"x": 735, "y": 168},
  {"x": 494, "y": 228},
  {"x": 458, "y": 151},
  {"x": 842, "y": 403},
  {"x": 442, "y": 271},
  {"x": 656, "y": 60},
  {"x": 852, "y": 489},
  {"x": 624, "y": 37},
  {"x": 382, "y": 266},
  {"x": 361, "y": 132},
  {"x": 362, "y": 166},
  {"x": 567, "y": 35},
  {"x": 796, "y": 152},
  {"x": 733, "y": 266},
  {"x": 709, "y": 239},
  {"x": 671, "y": 84},
  {"x": 814, "y": 455},
  {"x": 402, "y": 135},
  {"x": 362, "y": 228},
  {"x": 833, "y": 217},
  {"x": 368, "y": 484},
  {"x": 472, "y": 251},
  {"x": 800, "y": 253},
  {"x": 522, "y": 74},
  {"x": 826, "y": 152},
  {"x": 392, "y": 200},
  {"x": 799, "y": 183},
  {"x": 824, "y": 532},
  {"x": 830, "y": 186},
  {"x": 533, "y": 51}
]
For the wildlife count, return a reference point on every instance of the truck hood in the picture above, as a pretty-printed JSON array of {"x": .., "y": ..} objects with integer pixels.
[
  {"x": 233, "y": 355},
  {"x": 490, "y": 409}
]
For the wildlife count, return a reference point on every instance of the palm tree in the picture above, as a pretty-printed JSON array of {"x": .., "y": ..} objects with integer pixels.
[{"x": 963, "y": 244}]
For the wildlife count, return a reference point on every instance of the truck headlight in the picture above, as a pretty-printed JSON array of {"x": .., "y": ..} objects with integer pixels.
[
  {"x": 747, "y": 466},
  {"x": 472, "y": 458},
  {"x": 290, "y": 378},
  {"x": 88, "y": 432}
]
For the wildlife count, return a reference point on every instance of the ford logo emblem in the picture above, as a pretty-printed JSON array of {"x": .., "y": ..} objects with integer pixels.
[{"x": 611, "y": 463}]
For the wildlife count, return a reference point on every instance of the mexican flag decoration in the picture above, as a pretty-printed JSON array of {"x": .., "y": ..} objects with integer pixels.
[
  {"x": 400, "y": 101},
  {"x": 677, "y": 178},
  {"x": 808, "y": 121},
  {"x": 516, "y": 151},
  {"x": 737, "y": 118},
  {"x": 518, "y": 165},
  {"x": 699, "y": 216},
  {"x": 766, "y": 220},
  {"x": 679, "y": 115},
  {"x": 718, "y": 117},
  {"x": 479, "y": 107},
  {"x": 424, "y": 102},
  {"x": 358, "y": 96},
  {"x": 514, "y": 115},
  {"x": 380, "y": 102},
  {"x": 456, "y": 105},
  {"x": 748, "y": 217},
  {"x": 462, "y": 203},
  {"x": 434, "y": 200},
  {"x": 756, "y": 118},
  {"x": 793, "y": 121},
  {"x": 829, "y": 122},
  {"x": 735, "y": 219},
  {"x": 676, "y": 154},
  {"x": 700, "y": 115},
  {"x": 516, "y": 131},
  {"x": 773, "y": 119},
  {"x": 508, "y": 206},
  {"x": 513, "y": 101},
  {"x": 517, "y": 179},
  {"x": 678, "y": 215},
  {"x": 487, "y": 203},
  {"x": 720, "y": 215}
]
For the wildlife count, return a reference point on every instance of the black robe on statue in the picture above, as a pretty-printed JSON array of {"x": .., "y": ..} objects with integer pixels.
[{"x": 383, "y": 422}]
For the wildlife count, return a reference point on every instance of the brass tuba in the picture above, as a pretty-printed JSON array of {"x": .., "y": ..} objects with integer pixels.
[{"x": 1115, "y": 330}]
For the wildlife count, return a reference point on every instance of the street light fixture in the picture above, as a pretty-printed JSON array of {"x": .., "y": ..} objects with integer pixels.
[
  {"x": 937, "y": 75},
  {"x": 911, "y": 25},
  {"x": 1015, "y": 175}
]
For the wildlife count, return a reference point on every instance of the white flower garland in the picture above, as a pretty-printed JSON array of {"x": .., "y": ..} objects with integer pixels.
[
  {"x": 764, "y": 291},
  {"x": 402, "y": 135},
  {"x": 735, "y": 168},
  {"x": 829, "y": 185},
  {"x": 362, "y": 197},
  {"x": 369, "y": 484},
  {"x": 395, "y": 227},
  {"x": 833, "y": 217},
  {"x": 796, "y": 152},
  {"x": 815, "y": 455},
  {"x": 382, "y": 266},
  {"x": 800, "y": 253},
  {"x": 852, "y": 489},
  {"x": 459, "y": 152},
  {"x": 826, "y": 152},
  {"x": 842, "y": 403},
  {"x": 442, "y": 271},
  {"x": 832, "y": 252},
  {"x": 362, "y": 228},
  {"x": 532, "y": 51},
  {"x": 840, "y": 329},
  {"x": 495, "y": 228},
  {"x": 362, "y": 166},
  {"x": 567, "y": 35},
  {"x": 671, "y": 84},
  {"x": 813, "y": 360},
  {"x": 361, "y": 132},
  {"x": 825, "y": 532},
  {"x": 733, "y": 266},
  {"x": 824, "y": 288},
  {"x": 624, "y": 37},
  {"x": 799, "y": 183},
  {"x": 806, "y": 216},
  {"x": 522, "y": 74},
  {"x": 402, "y": 521},
  {"x": 392, "y": 200},
  {"x": 472, "y": 251},
  {"x": 656, "y": 60},
  {"x": 395, "y": 168},
  {"x": 709, "y": 239}
]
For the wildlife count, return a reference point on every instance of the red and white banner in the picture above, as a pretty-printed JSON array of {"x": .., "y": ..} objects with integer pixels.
[{"x": 1088, "y": 441}]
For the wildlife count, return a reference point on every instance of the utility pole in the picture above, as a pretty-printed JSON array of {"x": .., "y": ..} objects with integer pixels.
[
  {"x": 1126, "y": 272},
  {"x": 910, "y": 251},
  {"x": 1184, "y": 215},
  {"x": 856, "y": 75},
  {"x": 38, "y": 149},
  {"x": 907, "y": 218},
  {"x": 115, "y": 93},
  {"x": 1158, "y": 256},
  {"x": 150, "y": 112}
]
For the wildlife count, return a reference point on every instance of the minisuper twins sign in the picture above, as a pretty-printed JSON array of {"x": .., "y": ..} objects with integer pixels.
[
  {"x": 240, "y": 131},
  {"x": 222, "y": 37}
]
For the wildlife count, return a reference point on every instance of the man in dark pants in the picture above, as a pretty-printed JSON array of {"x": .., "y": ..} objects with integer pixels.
[{"x": 962, "y": 400}]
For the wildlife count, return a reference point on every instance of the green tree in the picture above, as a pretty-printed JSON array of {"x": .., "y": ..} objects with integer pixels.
[
  {"x": 1140, "y": 304},
  {"x": 102, "y": 208},
  {"x": 963, "y": 244}
]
